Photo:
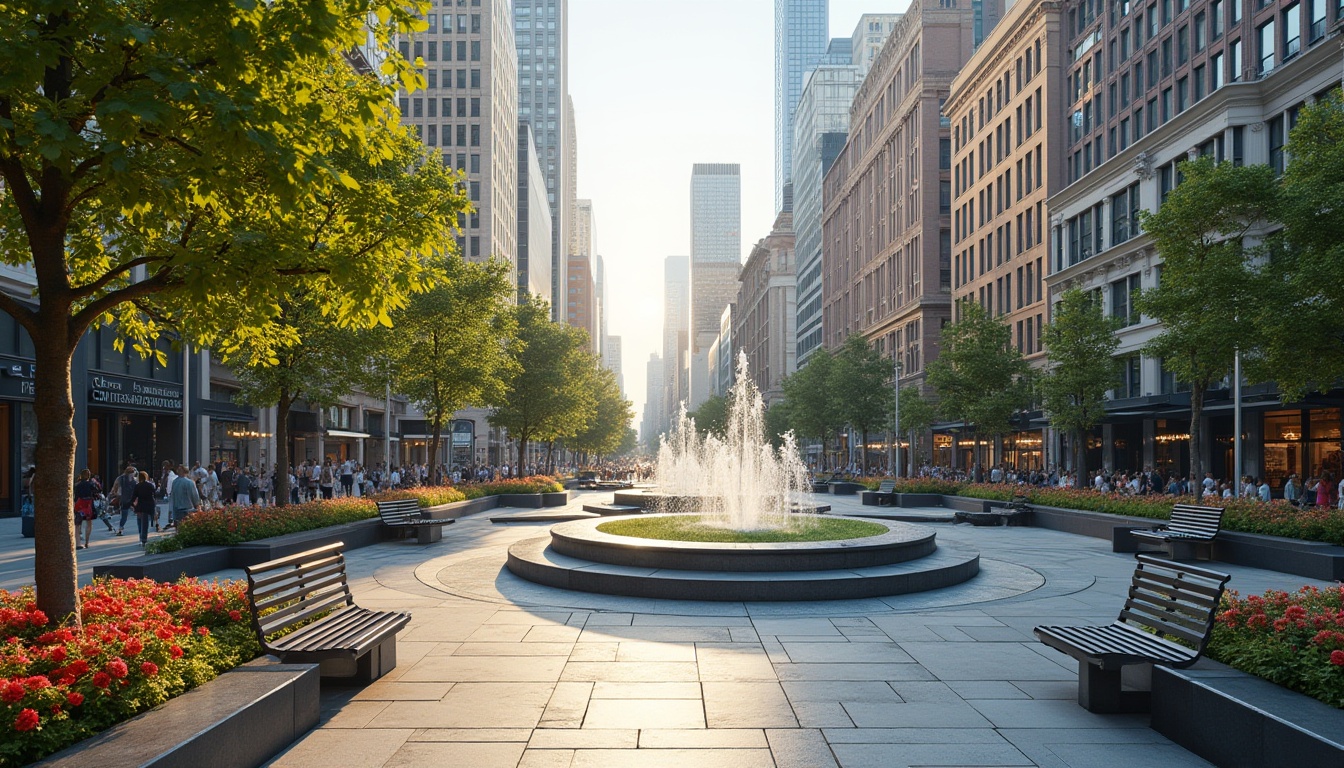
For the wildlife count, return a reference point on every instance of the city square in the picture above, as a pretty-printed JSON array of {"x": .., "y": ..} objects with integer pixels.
[{"x": 372, "y": 392}]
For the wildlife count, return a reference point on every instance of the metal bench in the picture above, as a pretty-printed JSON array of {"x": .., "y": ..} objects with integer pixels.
[
  {"x": 1166, "y": 600},
  {"x": 406, "y": 515},
  {"x": 1191, "y": 527},
  {"x": 885, "y": 495},
  {"x": 308, "y": 593}
]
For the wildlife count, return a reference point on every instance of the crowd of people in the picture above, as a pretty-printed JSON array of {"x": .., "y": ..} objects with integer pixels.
[{"x": 159, "y": 501}]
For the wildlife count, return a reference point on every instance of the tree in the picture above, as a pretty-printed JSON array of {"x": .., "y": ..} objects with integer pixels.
[
  {"x": 1301, "y": 307},
  {"x": 1206, "y": 297},
  {"x": 811, "y": 405},
  {"x": 777, "y": 422},
  {"x": 607, "y": 426},
  {"x": 402, "y": 202},
  {"x": 1081, "y": 343},
  {"x": 980, "y": 378},
  {"x": 544, "y": 395},
  {"x": 141, "y": 144},
  {"x": 918, "y": 413},
  {"x": 318, "y": 369},
  {"x": 711, "y": 416},
  {"x": 860, "y": 382},
  {"x": 450, "y": 347}
]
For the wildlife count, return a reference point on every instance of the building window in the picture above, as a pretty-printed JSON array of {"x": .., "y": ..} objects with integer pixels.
[
  {"x": 1130, "y": 384},
  {"x": 1201, "y": 31},
  {"x": 1277, "y": 134},
  {"x": 1316, "y": 8},
  {"x": 1125, "y": 215},
  {"x": 1216, "y": 19},
  {"x": 1265, "y": 51},
  {"x": 1235, "y": 63},
  {"x": 1215, "y": 72},
  {"x": 1182, "y": 94},
  {"x": 1292, "y": 31}
]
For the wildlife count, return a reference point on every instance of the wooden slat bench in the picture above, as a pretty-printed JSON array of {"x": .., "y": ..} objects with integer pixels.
[
  {"x": 406, "y": 515},
  {"x": 1166, "y": 600},
  {"x": 308, "y": 593},
  {"x": 1191, "y": 527}
]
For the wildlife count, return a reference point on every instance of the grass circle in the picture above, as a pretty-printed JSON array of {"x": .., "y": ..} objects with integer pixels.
[{"x": 694, "y": 528}]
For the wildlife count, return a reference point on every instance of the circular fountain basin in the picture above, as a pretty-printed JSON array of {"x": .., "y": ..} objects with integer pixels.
[
  {"x": 904, "y": 559},
  {"x": 657, "y": 501},
  {"x": 900, "y": 542}
]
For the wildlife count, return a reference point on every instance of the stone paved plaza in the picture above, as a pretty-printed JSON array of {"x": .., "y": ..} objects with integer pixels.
[{"x": 495, "y": 671}]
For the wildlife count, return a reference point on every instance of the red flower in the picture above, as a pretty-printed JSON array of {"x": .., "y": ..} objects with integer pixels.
[
  {"x": 37, "y": 683},
  {"x": 27, "y": 720},
  {"x": 12, "y": 692},
  {"x": 175, "y": 651},
  {"x": 116, "y": 668},
  {"x": 101, "y": 679},
  {"x": 1337, "y": 658},
  {"x": 133, "y": 647},
  {"x": 149, "y": 668},
  {"x": 75, "y": 698},
  {"x": 236, "y": 615},
  {"x": 203, "y": 631},
  {"x": 57, "y": 654}
]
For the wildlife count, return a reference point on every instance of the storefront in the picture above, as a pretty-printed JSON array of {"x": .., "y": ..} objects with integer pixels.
[
  {"x": 1301, "y": 441},
  {"x": 18, "y": 430},
  {"x": 132, "y": 421},
  {"x": 1171, "y": 447}
]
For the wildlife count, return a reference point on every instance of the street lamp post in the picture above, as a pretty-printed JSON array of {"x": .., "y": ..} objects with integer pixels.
[
  {"x": 896, "y": 430},
  {"x": 1236, "y": 423}
]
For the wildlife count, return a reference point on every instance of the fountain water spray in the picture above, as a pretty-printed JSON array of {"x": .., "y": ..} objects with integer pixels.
[{"x": 737, "y": 480}]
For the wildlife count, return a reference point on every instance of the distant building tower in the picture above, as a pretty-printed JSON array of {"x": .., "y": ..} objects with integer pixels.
[
  {"x": 581, "y": 278},
  {"x": 822, "y": 126},
  {"x": 870, "y": 33},
  {"x": 716, "y": 256},
  {"x": 676, "y": 335},
  {"x": 801, "y": 38},
  {"x": 534, "y": 221},
  {"x": 542, "y": 34},
  {"x": 470, "y": 112},
  {"x": 651, "y": 425},
  {"x": 765, "y": 315}
]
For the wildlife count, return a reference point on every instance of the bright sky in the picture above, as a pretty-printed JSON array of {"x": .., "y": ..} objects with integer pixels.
[{"x": 657, "y": 87}]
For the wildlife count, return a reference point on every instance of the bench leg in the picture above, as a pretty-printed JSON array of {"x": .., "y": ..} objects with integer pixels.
[
  {"x": 428, "y": 534},
  {"x": 1100, "y": 691},
  {"x": 380, "y": 660}
]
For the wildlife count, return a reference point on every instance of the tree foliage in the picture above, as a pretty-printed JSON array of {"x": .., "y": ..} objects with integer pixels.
[
  {"x": 812, "y": 411},
  {"x": 545, "y": 394},
  {"x": 861, "y": 386},
  {"x": 918, "y": 413},
  {"x": 144, "y": 146},
  {"x": 1081, "y": 343},
  {"x": 450, "y": 347},
  {"x": 1206, "y": 297},
  {"x": 712, "y": 415},
  {"x": 1301, "y": 307},
  {"x": 604, "y": 431},
  {"x": 980, "y": 378}
]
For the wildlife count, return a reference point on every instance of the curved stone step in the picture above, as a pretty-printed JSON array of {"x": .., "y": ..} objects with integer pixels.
[{"x": 535, "y": 560}]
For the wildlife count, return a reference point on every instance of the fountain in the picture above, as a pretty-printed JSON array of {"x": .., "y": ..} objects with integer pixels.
[{"x": 768, "y": 541}]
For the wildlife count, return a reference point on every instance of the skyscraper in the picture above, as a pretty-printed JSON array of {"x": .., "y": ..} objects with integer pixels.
[
  {"x": 534, "y": 221},
  {"x": 716, "y": 257},
  {"x": 542, "y": 31},
  {"x": 821, "y": 126},
  {"x": 676, "y": 332},
  {"x": 469, "y": 109},
  {"x": 801, "y": 37},
  {"x": 581, "y": 279}
]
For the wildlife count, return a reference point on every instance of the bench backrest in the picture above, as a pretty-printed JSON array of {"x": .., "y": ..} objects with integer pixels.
[
  {"x": 399, "y": 511},
  {"x": 299, "y": 587},
  {"x": 1176, "y": 600},
  {"x": 886, "y": 486},
  {"x": 1195, "y": 520}
]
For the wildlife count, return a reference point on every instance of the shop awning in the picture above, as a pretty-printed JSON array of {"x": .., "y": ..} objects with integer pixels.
[{"x": 344, "y": 433}]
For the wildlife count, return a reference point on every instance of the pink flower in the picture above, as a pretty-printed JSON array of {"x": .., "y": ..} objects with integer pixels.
[{"x": 116, "y": 668}]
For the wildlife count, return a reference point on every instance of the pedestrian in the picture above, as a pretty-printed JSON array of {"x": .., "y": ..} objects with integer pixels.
[
  {"x": 85, "y": 490},
  {"x": 1263, "y": 490},
  {"x": 183, "y": 498},
  {"x": 243, "y": 485},
  {"x": 1324, "y": 490},
  {"x": 124, "y": 495},
  {"x": 1291, "y": 490},
  {"x": 146, "y": 506},
  {"x": 327, "y": 479}
]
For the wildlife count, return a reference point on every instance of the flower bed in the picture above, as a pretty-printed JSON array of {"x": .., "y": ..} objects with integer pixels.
[
  {"x": 1275, "y": 518},
  {"x": 428, "y": 496},
  {"x": 535, "y": 484},
  {"x": 1293, "y": 639},
  {"x": 142, "y": 643}
]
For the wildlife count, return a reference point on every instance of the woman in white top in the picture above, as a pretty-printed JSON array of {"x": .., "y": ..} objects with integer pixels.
[
  {"x": 210, "y": 488},
  {"x": 358, "y": 487}
]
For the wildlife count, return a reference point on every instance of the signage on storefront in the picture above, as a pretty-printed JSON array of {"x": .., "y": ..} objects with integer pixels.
[
  {"x": 16, "y": 379},
  {"x": 464, "y": 432},
  {"x": 123, "y": 392}
]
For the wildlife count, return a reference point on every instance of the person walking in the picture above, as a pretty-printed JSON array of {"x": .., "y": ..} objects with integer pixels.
[
  {"x": 143, "y": 499},
  {"x": 327, "y": 479},
  {"x": 1324, "y": 489},
  {"x": 183, "y": 498},
  {"x": 124, "y": 494},
  {"x": 243, "y": 484},
  {"x": 85, "y": 491}
]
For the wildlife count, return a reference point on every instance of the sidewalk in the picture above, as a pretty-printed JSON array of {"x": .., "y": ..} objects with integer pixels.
[{"x": 495, "y": 671}]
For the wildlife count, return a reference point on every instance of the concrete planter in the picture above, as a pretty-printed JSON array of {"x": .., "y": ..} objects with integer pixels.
[
  {"x": 846, "y": 489},
  {"x": 240, "y": 719},
  {"x": 1231, "y": 718},
  {"x": 556, "y": 499}
]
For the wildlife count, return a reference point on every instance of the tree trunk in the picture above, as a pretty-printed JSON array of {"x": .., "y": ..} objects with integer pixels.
[
  {"x": 863, "y": 463},
  {"x": 1197, "y": 469},
  {"x": 522, "y": 449},
  {"x": 281, "y": 473},
  {"x": 1080, "y": 455},
  {"x": 436, "y": 434},
  {"x": 55, "y": 570}
]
